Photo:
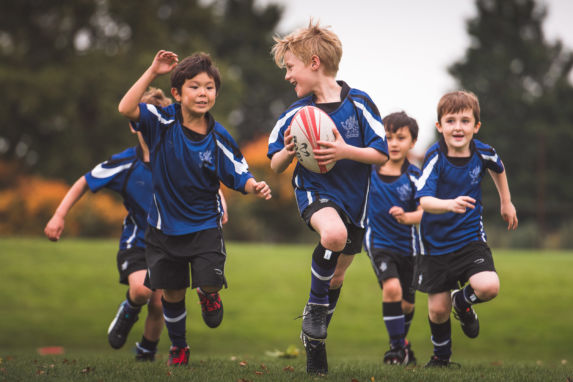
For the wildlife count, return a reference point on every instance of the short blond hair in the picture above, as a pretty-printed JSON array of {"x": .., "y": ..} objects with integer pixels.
[
  {"x": 155, "y": 97},
  {"x": 307, "y": 42},
  {"x": 457, "y": 101}
]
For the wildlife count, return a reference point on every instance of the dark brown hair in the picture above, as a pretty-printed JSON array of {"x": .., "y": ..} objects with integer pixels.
[
  {"x": 193, "y": 65},
  {"x": 455, "y": 102},
  {"x": 395, "y": 121}
]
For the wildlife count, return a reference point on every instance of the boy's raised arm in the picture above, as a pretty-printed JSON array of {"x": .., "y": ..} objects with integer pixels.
[{"x": 163, "y": 62}]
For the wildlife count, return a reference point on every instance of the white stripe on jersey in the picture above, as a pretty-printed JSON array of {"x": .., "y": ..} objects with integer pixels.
[
  {"x": 280, "y": 123},
  {"x": 413, "y": 234},
  {"x": 158, "y": 225},
  {"x": 133, "y": 235},
  {"x": 365, "y": 206},
  {"x": 101, "y": 172},
  {"x": 492, "y": 158},
  {"x": 426, "y": 173},
  {"x": 374, "y": 124},
  {"x": 153, "y": 110},
  {"x": 240, "y": 167},
  {"x": 422, "y": 248}
]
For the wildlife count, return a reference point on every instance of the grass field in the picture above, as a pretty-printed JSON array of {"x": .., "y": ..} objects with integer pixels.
[{"x": 65, "y": 294}]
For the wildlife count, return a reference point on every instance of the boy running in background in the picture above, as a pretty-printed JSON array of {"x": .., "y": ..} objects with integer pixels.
[
  {"x": 127, "y": 173},
  {"x": 332, "y": 204},
  {"x": 190, "y": 154},
  {"x": 392, "y": 233},
  {"x": 455, "y": 249}
]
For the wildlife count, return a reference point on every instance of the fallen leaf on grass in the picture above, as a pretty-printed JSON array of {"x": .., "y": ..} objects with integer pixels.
[
  {"x": 372, "y": 379},
  {"x": 291, "y": 352},
  {"x": 563, "y": 362},
  {"x": 354, "y": 380},
  {"x": 40, "y": 372},
  {"x": 263, "y": 366},
  {"x": 289, "y": 368},
  {"x": 51, "y": 350},
  {"x": 258, "y": 372},
  {"x": 497, "y": 363},
  {"x": 243, "y": 363},
  {"x": 87, "y": 370}
]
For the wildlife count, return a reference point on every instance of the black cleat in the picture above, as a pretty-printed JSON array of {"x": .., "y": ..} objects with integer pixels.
[
  {"x": 314, "y": 321},
  {"x": 400, "y": 356},
  {"x": 468, "y": 318},
  {"x": 120, "y": 327},
  {"x": 435, "y": 361},
  {"x": 211, "y": 308},
  {"x": 143, "y": 355},
  {"x": 316, "y": 361}
]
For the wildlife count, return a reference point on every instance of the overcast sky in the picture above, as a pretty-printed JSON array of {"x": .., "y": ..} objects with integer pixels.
[{"x": 398, "y": 51}]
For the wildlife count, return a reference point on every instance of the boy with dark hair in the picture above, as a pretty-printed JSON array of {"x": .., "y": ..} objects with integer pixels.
[
  {"x": 190, "y": 154},
  {"x": 392, "y": 234},
  {"x": 127, "y": 173},
  {"x": 455, "y": 249},
  {"x": 332, "y": 204}
]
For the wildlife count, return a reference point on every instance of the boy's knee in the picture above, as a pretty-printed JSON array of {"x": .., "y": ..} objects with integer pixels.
[
  {"x": 139, "y": 293},
  {"x": 488, "y": 292},
  {"x": 334, "y": 238},
  {"x": 392, "y": 290},
  {"x": 439, "y": 315}
]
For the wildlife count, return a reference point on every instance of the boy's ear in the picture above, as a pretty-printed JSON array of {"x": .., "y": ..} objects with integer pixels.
[
  {"x": 175, "y": 94},
  {"x": 315, "y": 62},
  {"x": 439, "y": 127},
  {"x": 477, "y": 127}
]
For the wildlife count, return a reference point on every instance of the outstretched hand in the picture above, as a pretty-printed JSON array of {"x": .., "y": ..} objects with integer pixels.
[
  {"x": 164, "y": 62},
  {"x": 460, "y": 204},
  {"x": 262, "y": 190},
  {"x": 330, "y": 152}
]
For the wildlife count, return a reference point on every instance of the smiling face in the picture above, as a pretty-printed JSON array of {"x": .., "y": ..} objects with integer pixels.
[
  {"x": 399, "y": 143},
  {"x": 458, "y": 130},
  {"x": 197, "y": 95},
  {"x": 300, "y": 75}
]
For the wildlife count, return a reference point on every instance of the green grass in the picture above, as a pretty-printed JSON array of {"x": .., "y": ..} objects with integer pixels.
[{"x": 66, "y": 293}]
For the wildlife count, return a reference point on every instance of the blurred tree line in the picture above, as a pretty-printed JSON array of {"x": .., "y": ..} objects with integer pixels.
[
  {"x": 65, "y": 64},
  {"x": 524, "y": 86}
]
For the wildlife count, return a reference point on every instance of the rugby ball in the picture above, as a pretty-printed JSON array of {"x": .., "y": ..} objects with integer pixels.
[{"x": 308, "y": 126}]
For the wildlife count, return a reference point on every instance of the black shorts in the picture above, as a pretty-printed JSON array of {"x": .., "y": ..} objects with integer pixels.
[
  {"x": 442, "y": 273},
  {"x": 355, "y": 234},
  {"x": 388, "y": 264},
  {"x": 129, "y": 261},
  {"x": 169, "y": 257}
]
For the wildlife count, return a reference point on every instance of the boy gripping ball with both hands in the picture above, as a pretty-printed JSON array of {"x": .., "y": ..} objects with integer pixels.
[
  {"x": 455, "y": 249},
  {"x": 392, "y": 239},
  {"x": 332, "y": 204},
  {"x": 190, "y": 154},
  {"x": 129, "y": 174}
]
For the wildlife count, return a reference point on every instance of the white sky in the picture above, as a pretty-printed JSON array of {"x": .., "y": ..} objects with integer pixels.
[{"x": 398, "y": 51}]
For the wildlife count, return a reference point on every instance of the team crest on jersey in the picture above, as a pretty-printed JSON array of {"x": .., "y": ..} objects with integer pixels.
[
  {"x": 206, "y": 156},
  {"x": 351, "y": 127},
  {"x": 474, "y": 174},
  {"x": 404, "y": 192}
]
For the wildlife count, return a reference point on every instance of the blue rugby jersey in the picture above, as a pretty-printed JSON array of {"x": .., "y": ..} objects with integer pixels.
[
  {"x": 127, "y": 174},
  {"x": 448, "y": 232},
  {"x": 383, "y": 231},
  {"x": 347, "y": 183},
  {"x": 186, "y": 173}
]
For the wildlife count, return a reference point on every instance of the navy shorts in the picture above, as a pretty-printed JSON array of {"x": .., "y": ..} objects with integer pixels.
[
  {"x": 355, "y": 234},
  {"x": 170, "y": 257},
  {"x": 442, "y": 273},
  {"x": 129, "y": 261},
  {"x": 388, "y": 264}
]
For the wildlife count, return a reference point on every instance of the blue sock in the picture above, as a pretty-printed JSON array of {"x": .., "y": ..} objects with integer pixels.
[
  {"x": 407, "y": 322},
  {"x": 319, "y": 284},
  {"x": 395, "y": 323},
  {"x": 130, "y": 306},
  {"x": 175, "y": 316},
  {"x": 442, "y": 339},
  {"x": 466, "y": 297},
  {"x": 333, "y": 295}
]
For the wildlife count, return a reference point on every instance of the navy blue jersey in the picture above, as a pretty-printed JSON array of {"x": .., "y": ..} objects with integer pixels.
[
  {"x": 347, "y": 183},
  {"x": 186, "y": 172},
  {"x": 127, "y": 174},
  {"x": 383, "y": 230},
  {"x": 448, "y": 232}
]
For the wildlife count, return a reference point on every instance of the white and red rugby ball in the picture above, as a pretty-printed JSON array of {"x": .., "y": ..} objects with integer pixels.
[{"x": 308, "y": 126}]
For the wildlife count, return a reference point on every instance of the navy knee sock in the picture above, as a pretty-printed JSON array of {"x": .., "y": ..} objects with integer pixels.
[
  {"x": 442, "y": 339},
  {"x": 466, "y": 297},
  {"x": 322, "y": 270},
  {"x": 175, "y": 315},
  {"x": 395, "y": 323},
  {"x": 333, "y": 295}
]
